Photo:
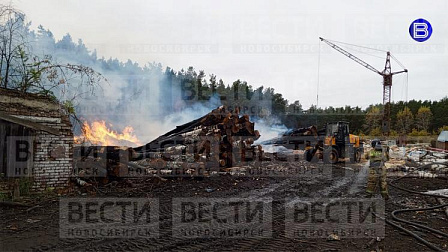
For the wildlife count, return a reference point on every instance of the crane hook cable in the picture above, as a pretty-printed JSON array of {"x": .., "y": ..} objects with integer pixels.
[
  {"x": 396, "y": 60},
  {"x": 318, "y": 80}
]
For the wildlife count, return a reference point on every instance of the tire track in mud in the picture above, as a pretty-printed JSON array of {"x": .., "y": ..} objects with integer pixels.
[
  {"x": 283, "y": 191},
  {"x": 167, "y": 243},
  {"x": 279, "y": 191},
  {"x": 223, "y": 244}
]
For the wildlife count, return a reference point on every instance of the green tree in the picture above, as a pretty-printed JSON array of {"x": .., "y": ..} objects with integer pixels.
[
  {"x": 423, "y": 118},
  {"x": 12, "y": 43},
  {"x": 440, "y": 115},
  {"x": 405, "y": 120},
  {"x": 375, "y": 132},
  {"x": 443, "y": 128},
  {"x": 373, "y": 119},
  {"x": 23, "y": 71},
  {"x": 295, "y": 108}
]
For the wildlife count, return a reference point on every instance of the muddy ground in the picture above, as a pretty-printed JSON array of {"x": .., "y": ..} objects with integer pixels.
[{"x": 37, "y": 228}]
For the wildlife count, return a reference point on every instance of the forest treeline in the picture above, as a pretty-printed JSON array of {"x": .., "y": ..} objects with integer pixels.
[{"x": 35, "y": 61}]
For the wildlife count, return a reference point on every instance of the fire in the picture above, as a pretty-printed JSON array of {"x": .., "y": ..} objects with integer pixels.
[{"x": 97, "y": 133}]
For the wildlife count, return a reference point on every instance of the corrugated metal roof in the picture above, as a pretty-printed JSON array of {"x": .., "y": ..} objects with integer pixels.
[{"x": 443, "y": 137}]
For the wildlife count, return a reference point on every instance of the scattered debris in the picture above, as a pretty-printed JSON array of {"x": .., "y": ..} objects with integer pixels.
[
  {"x": 82, "y": 182},
  {"x": 33, "y": 207},
  {"x": 32, "y": 221},
  {"x": 333, "y": 237},
  {"x": 441, "y": 202},
  {"x": 408, "y": 158}
]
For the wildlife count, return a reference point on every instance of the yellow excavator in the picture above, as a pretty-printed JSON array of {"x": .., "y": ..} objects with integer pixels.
[{"x": 337, "y": 143}]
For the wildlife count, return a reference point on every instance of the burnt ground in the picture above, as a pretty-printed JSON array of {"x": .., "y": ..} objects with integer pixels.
[{"x": 37, "y": 228}]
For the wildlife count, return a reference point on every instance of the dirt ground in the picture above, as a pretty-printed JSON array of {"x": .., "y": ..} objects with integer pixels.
[{"x": 37, "y": 229}]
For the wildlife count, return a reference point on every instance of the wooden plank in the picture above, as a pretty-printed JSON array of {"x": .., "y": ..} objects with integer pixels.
[{"x": 29, "y": 124}]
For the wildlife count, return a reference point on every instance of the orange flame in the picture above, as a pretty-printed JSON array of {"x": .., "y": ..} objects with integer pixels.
[{"x": 99, "y": 134}]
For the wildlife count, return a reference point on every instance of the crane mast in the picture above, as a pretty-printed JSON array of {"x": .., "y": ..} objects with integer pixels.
[{"x": 387, "y": 81}]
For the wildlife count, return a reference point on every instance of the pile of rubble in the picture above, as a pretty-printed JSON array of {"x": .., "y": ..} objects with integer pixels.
[{"x": 410, "y": 157}]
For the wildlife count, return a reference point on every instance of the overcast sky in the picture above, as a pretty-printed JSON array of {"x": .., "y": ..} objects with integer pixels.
[{"x": 269, "y": 43}]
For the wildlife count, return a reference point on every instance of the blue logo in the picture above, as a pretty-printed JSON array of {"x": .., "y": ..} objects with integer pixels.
[{"x": 420, "y": 30}]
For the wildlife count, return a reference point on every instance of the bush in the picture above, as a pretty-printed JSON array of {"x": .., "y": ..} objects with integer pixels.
[
  {"x": 375, "y": 132},
  {"x": 393, "y": 133},
  {"x": 4, "y": 196},
  {"x": 414, "y": 132},
  {"x": 443, "y": 128},
  {"x": 423, "y": 133},
  {"x": 25, "y": 185}
]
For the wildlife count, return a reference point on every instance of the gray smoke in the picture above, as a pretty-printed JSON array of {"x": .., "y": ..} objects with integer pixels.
[{"x": 148, "y": 97}]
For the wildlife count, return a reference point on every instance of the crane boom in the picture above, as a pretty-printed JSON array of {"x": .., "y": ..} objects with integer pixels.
[
  {"x": 351, "y": 56},
  {"x": 387, "y": 81}
]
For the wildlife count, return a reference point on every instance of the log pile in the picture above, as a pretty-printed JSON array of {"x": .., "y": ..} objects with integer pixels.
[
  {"x": 217, "y": 140},
  {"x": 101, "y": 161}
]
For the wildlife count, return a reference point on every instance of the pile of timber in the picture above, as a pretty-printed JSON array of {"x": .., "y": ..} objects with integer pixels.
[
  {"x": 101, "y": 161},
  {"x": 220, "y": 139}
]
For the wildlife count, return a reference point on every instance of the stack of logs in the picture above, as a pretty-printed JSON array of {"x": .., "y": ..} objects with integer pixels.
[
  {"x": 219, "y": 139},
  {"x": 102, "y": 161}
]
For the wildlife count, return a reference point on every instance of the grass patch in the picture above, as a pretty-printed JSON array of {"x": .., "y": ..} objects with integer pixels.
[{"x": 25, "y": 185}]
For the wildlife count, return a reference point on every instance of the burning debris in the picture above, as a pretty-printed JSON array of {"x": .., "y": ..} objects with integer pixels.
[
  {"x": 220, "y": 139},
  {"x": 97, "y": 133}
]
